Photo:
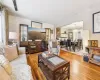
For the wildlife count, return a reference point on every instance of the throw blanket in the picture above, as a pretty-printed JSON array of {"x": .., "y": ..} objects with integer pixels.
[{"x": 22, "y": 72}]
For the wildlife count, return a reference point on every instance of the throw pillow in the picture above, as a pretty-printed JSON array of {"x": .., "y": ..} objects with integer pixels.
[
  {"x": 1, "y": 48},
  {"x": 3, "y": 74},
  {"x": 11, "y": 52},
  {"x": 5, "y": 64},
  {"x": 6, "y": 69},
  {"x": 22, "y": 72}
]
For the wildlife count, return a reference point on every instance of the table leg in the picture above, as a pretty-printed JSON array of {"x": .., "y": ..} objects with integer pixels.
[
  {"x": 38, "y": 61},
  {"x": 69, "y": 71},
  {"x": 53, "y": 75}
]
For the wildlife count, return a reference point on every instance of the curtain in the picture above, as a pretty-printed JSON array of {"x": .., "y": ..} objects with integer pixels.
[
  {"x": 5, "y": 26},
  {"x": 0, "y": 29}
]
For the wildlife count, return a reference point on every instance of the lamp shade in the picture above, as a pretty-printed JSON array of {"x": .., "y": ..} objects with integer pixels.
[{"x": 12, "y": 35}]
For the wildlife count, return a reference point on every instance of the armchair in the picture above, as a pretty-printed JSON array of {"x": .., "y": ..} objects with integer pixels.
[{"x": 53, "y": 47}]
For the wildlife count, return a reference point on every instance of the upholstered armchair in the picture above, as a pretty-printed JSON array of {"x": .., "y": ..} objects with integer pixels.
[{"x": 54, "y": 47}]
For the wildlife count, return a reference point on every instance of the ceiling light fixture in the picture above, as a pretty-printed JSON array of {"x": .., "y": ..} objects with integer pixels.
[{"x": 15, "y": 5}]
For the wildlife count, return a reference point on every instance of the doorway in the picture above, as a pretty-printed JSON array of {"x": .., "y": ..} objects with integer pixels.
[{"x": 73, "y": 38}]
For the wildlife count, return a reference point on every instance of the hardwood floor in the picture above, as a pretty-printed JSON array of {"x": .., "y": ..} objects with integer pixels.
[{"x": 80, "y": 70}]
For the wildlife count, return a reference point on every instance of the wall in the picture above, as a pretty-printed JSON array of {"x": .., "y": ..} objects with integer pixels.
[
  {"x": 88, "y": 23},
  {"x": 14, "y": 22},
  {"x": 85, "y": 15}
]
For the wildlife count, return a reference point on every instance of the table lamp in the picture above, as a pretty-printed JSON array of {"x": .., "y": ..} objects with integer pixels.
[{"x": 13, "y": 36}]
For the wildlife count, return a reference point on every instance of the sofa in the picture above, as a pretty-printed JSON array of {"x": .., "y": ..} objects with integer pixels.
[{"x": 20, "y": 68}]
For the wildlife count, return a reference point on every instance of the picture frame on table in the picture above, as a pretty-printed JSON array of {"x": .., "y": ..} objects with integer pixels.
[{"x": 96, "y": 22}]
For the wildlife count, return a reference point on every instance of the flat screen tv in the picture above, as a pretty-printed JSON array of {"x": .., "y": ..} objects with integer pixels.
[{"x": 36, "y": 33}]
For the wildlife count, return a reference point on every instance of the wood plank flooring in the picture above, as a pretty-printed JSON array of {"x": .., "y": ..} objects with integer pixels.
[{"x": 80, "y": 70}]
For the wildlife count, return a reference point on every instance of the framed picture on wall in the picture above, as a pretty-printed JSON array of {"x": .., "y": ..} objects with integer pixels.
[
  {"x": 36, "y": 24},
  {"x": 96, "y": 22}
]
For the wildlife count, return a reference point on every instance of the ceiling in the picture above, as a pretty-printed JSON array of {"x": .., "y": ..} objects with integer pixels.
[
  {"x": 57, "y": 12},
  {"x": 75, "y": 25}
]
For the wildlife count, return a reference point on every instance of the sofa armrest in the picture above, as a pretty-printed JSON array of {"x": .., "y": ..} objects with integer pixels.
[
  {"x": 22, "y": 50},
  {"x": 3, "y": 74}
]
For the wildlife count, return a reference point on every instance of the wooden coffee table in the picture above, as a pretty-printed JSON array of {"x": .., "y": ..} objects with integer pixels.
[{"x": 54, "y": 67}]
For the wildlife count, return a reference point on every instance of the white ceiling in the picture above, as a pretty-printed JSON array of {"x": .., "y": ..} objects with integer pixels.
[
  {"x": 75, "y": 25},
  {"x": 57, "y": 12}
]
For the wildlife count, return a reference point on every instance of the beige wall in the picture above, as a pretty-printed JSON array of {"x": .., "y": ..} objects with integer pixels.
[
  {"x": 14, "y": 22},
  {"x": 87, "y": 21},
  {"x": 88, "y": 25},
  {"x": 86, "y": 16}
]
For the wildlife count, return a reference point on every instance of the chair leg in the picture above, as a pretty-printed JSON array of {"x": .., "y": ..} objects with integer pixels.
[
  {"x": 70, "y": 48},
  {"x": 67, "y": 48}
]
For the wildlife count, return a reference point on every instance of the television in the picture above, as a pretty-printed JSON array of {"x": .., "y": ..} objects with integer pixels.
[{"x": 36, "y": 34}]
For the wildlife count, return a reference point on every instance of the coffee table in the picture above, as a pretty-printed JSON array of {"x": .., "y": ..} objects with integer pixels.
[{"x": 54, "y": 67}]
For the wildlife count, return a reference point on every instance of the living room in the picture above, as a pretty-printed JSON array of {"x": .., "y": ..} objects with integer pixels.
[{"x": 49, "y": 40}]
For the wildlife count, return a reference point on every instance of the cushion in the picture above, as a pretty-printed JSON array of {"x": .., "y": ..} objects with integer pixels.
[
  {"x": 11, "y": 52},
  {"x": 20, "y": 60},
  {"x": 3, "y": 74},
  {"x": 5, "y": 64},
  {"x": 22, "y": 72},
  {"x": 7, "y": 67}
]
